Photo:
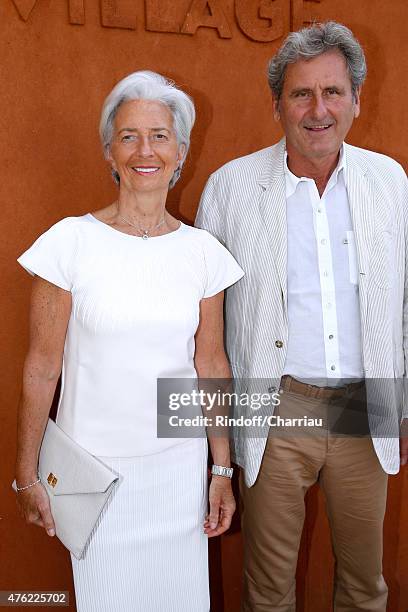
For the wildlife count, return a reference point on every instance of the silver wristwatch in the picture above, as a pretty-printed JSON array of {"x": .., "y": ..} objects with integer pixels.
[{"x": 219, "y": 470}]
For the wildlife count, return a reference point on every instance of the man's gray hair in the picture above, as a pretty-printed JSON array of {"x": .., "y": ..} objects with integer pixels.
[
  {"x": 147, "y": 85},
  {"x": 313, "y": 41}
]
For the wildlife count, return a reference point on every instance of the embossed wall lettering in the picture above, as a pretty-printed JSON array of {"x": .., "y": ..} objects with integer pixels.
[
  {"x": 162, "y": 16},
  {"x": 208, "y": 14},
  {"x": 24, "y": 7},
  {"x": 262, "y": 21},
  {"x": 259, "y": 20},
  {"x": 76, "y": 12},
  {"x": 300, "y": 15},
  {"x": 118, "y": 14}
]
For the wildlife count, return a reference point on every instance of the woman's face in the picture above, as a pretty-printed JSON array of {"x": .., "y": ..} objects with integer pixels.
[{"x": 144, "y": 149}]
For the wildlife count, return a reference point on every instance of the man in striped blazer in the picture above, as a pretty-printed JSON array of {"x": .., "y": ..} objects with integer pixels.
[{"x": 319, "y": 226}]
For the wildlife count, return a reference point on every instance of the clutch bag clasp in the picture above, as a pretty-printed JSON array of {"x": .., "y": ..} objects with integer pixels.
[{"x": 52, "y": 480}]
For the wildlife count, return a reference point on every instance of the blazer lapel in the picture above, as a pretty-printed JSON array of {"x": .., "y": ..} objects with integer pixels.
[
  {"x": 272, "y": 207},
  {"x": 361, "y": 208},
  {"x": 361, "y": 202}
]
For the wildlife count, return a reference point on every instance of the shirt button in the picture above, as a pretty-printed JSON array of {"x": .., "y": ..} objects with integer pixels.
[
  {"x": 323, "y": 241},
  {"x": 319, "y": 210},
  {"x": 325, "y": 273},
  {"x": 278, "y": 343},
  {"x": 331, "y": 337},
  {"x": 333, "y": 367},
  {"x": 328, "y": 305},
  {"x": 345, "y": 241}
]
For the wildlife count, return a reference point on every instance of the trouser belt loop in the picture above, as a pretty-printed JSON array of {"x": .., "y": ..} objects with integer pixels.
[{"x": 312, "y": 391}]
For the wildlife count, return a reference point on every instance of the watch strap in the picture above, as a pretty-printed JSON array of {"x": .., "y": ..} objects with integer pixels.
[{"x": 220, "y": 470}]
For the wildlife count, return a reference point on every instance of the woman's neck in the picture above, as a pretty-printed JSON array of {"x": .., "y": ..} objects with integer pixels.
[{"x": 146, "y": 210}]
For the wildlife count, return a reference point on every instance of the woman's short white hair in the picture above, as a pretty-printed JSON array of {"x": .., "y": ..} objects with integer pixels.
[{"x": 147, "y": 85}]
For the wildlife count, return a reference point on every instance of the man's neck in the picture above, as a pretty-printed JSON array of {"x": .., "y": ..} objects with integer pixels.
[{"x": 318, "y": 169}]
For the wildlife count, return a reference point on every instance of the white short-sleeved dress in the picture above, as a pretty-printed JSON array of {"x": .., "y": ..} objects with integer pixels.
[{"x": 135, "y": 311}]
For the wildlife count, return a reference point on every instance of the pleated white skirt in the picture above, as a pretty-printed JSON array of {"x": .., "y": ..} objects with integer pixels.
[{"x": 149, "y": 552}]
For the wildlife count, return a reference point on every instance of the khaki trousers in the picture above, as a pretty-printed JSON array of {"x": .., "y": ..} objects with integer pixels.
[{"x": 273, "y": 512}]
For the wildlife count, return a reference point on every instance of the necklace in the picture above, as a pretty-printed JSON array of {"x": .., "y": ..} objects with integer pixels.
[{"x": 144, "y": 232}]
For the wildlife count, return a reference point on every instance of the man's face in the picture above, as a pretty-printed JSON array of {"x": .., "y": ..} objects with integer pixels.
[{"x": 317, "y": 107}]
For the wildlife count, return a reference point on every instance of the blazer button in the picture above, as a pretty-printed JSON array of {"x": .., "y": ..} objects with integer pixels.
[{"x": 278, "y": 343}]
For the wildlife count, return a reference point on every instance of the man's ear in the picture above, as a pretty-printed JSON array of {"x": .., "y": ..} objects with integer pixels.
[
  {"x": 276, "y": 113},
  {"x": 357, "y": 102}
]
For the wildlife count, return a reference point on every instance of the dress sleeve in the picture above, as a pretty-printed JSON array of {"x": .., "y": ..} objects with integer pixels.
[
  {"x": 221, "y": 268},
  {"x": 51, "y": 255}
]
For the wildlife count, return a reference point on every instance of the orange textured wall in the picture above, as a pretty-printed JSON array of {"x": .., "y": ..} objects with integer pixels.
[{"x": 59, "y": 59}]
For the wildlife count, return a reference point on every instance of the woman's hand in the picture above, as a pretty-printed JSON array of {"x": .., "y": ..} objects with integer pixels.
[
  {"x": 34, "y": 506},
  {"x": 222, "y": 506}
]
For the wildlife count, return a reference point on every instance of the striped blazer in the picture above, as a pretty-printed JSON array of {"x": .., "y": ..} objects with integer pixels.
[{"x": 244, "y": 206}]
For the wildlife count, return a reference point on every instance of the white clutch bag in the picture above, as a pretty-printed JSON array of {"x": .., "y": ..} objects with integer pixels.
[{"x": 78, "y": 484}]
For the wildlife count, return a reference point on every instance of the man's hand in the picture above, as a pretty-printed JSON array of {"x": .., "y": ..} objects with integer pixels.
[{"x": 222, "y": 506}]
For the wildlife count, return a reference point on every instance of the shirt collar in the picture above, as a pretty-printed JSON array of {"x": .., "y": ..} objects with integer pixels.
[{"x": 292, "y": 181}]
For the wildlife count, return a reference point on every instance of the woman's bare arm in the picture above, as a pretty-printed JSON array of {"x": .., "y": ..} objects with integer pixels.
[{"x": 49, "y": 315}]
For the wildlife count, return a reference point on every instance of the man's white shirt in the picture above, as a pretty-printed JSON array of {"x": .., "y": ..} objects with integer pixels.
[{"x": 324, "y": 344}]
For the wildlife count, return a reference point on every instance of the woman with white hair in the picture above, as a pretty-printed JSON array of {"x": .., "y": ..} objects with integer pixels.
[{"x": 122, "y": 297}]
